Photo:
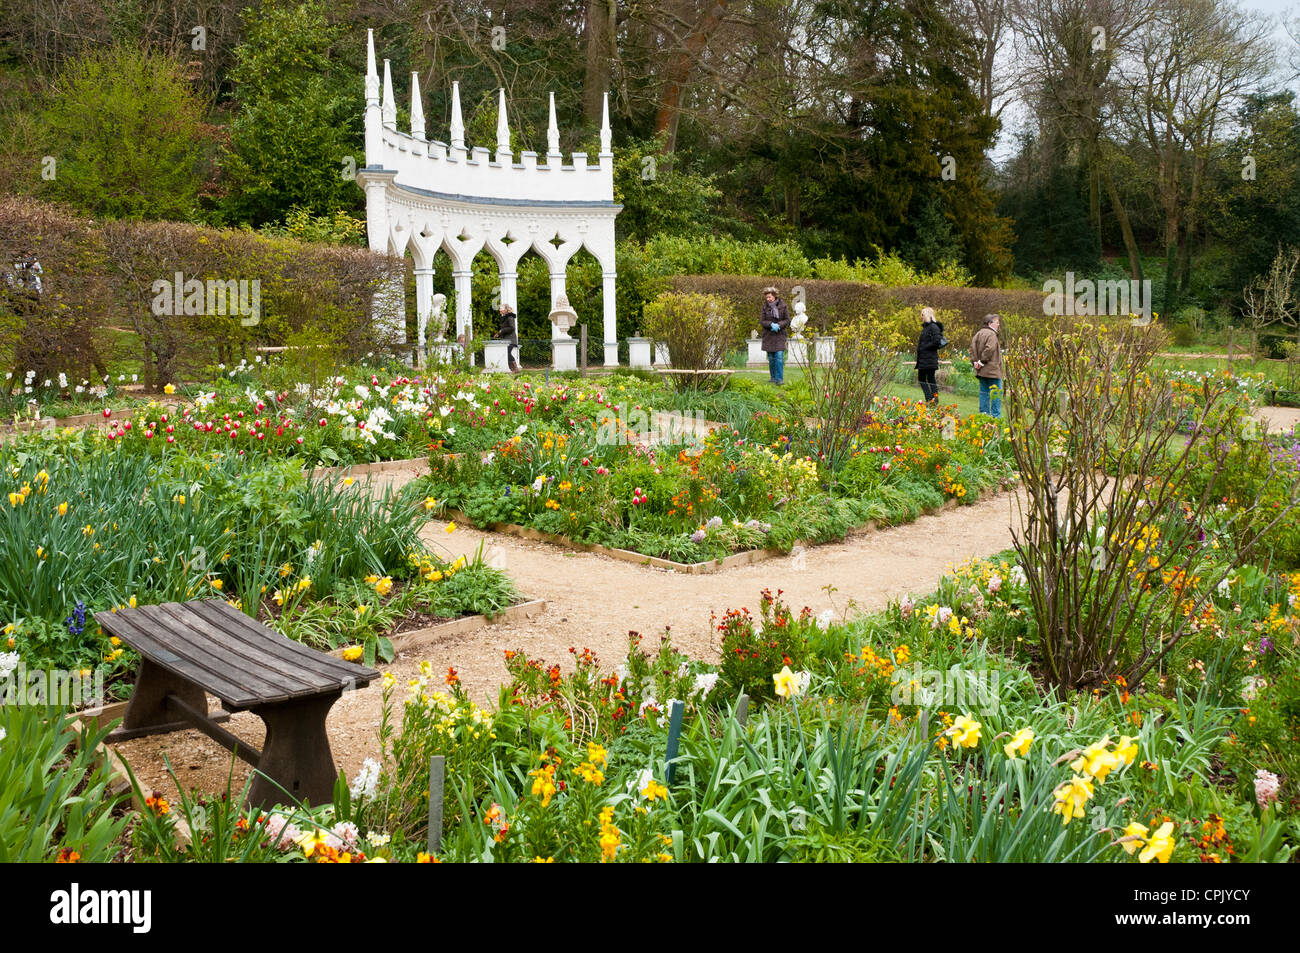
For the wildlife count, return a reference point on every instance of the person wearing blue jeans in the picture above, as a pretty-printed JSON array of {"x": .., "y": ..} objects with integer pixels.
[
  {"x": 986, "y": 353},
  {"x": 775, "y": 323}
]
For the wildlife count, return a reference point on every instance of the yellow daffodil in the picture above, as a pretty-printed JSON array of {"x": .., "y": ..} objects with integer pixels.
[
  {"x": 789, "y": 684},
  {"x": 965, "y": 732},
  {"x": 1126, "y": 749},
  {"x": 1097, "y": 761},
  {"x": 169, "y": 388},
  {"x": 1019, "y": 743},
  {"x": 217, "y": 584},
  {"x": 1160, "y": 845},
  {"x": 1135, "y": 830},
  {"x": 348, "y": 481},
  {"x": 384, "y": 586},
  {"x": 430, "y": 503},
  {"x": 371, "y": 579},
  {"x": 353, "y": 652},
  {"x": 451, "y": 527},
  {"x": 304, "y": 583},
  {"x": 63, "y": 509},
  {"x": 1071, "y": 798}
]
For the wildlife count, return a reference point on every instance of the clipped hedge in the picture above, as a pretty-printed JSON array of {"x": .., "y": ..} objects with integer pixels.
[
  {"x": 831, "y": 302},
  {"x": 100, "y": 277}
]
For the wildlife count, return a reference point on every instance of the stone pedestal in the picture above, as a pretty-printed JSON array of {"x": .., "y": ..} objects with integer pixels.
[
  {"x": 661, "y": 354},
  {"x": 444, "y": 352},
  {"x": 611, "y": 354},
  {"x": 796, "y": 351},
  {"x": 756, "y": 357},
  {"x": 564, "y": 353},
  {"x": 824, "y": 350},
  {"x": 496, "y": 357},
  {"x": 638, "y": 352}
]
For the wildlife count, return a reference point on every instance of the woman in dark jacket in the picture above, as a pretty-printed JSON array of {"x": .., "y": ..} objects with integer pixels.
[
  {"x": 776, "y": 322},
  {"x": 927, "y": 353},
  {"x": 508, "y": 330}
]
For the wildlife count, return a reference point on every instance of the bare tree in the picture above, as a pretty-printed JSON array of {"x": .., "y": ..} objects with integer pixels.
[
  {"x": 1195, "y": 60},
  {"x": 1274, "y": 297}
]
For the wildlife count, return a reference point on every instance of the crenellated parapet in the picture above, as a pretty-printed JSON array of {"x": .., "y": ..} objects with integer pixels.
[{"x": 426, "y": 195}]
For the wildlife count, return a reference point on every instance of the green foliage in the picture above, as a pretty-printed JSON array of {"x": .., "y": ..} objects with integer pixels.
[
  {"x": 289, "y": 141},
  {"x": 659, "y": 197},
  {"x": 126, "y": 133},
  {"x": 700, "y": 330},
  {"x": 55, "y": 789}
]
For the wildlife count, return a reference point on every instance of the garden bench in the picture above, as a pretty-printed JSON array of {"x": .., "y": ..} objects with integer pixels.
[
  {"x": 725, "y": 372},
  {"x": 207, "y": 646}
]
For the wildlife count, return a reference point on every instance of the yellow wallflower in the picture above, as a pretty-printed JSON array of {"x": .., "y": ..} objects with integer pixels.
[
  {"x": 384, "y": 586},
  {"x": 353, "y": 652},
  {"x": 451, "y": 527}
]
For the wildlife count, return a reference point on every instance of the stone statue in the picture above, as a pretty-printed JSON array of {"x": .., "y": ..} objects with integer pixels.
[
  {"x": 800, "y": 319},
  {"x": 438, "y": 317},
  {"x": 562, "y": 315}
]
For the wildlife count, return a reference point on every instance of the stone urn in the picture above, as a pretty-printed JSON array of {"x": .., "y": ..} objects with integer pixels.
[{"x": 563, "y": 317}]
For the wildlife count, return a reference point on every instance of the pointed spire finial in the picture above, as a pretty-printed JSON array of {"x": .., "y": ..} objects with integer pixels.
[
  {"x": 372, "y": 77},
  {"x": 553, "y": 132},
  {"x": 605, "y": 135},
  {"x": 503, "y": 128},
  {"x": 389, "y": 106},
  {"x": 457, "y": 123},
  {"x": 417, "y": 108}
]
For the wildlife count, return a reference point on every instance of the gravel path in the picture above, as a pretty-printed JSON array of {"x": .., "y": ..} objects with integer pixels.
[{"x": 593, "y": 601}]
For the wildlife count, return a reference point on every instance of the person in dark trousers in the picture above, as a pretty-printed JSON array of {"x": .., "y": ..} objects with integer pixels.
[
  {"x": 927, "y": 354},
  {"x": 775, "y": 324},
  {"x": 509, "y": 331}
]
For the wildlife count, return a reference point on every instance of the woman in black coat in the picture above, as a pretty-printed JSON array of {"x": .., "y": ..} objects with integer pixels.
[{"x": 927, "y": 353}]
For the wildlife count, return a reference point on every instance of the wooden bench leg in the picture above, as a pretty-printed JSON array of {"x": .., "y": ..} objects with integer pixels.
[
  {"x": 148, "y": 714},
  {"x": 296, "y": 755}
]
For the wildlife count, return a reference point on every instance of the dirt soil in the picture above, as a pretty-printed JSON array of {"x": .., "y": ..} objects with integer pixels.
[{"x": 593, "y": 601}]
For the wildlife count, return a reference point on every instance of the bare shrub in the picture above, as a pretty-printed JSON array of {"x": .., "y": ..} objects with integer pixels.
[{"x": 1119, "y": 521}]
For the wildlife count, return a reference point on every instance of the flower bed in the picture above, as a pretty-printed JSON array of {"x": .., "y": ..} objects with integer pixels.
[
  {"x": 733, "y": 491},
  {"x": 918, "y": 733},
  {"x": 324, "y": 562}
]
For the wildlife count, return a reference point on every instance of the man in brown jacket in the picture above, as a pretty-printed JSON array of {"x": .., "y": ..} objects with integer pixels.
[{"x": 986, "y": 352}]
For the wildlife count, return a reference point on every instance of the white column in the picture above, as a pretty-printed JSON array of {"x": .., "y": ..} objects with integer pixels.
[
  {"x": 423, "y": 305},
  {"x": 557, "y": 289},
  {"x": 464, "y": 313},
  {"x": 611, "y": 320},
  {"x": 510, "y": 289}
]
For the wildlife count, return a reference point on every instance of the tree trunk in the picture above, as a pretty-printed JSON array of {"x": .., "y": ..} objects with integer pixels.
[
  {"x": 601, "y": 31},
  {"x": 1125, "y": 227},
  {"x": 680, "y": 66}
]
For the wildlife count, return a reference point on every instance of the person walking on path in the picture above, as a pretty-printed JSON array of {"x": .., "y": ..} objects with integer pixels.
[
  {"x": 927, "y": 354},
  {"x": 508, "y": 330},
  {"x": 776, "y": 322},
  {"x": 986, "y": 352}
]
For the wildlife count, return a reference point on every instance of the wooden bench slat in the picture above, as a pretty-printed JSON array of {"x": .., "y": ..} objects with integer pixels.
[
  {"x": 282, "y": 648},
  {"x": 133, "y": 630},
  {"x": 188, "y": 641},
  {"x": 259, "y": 670}
]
